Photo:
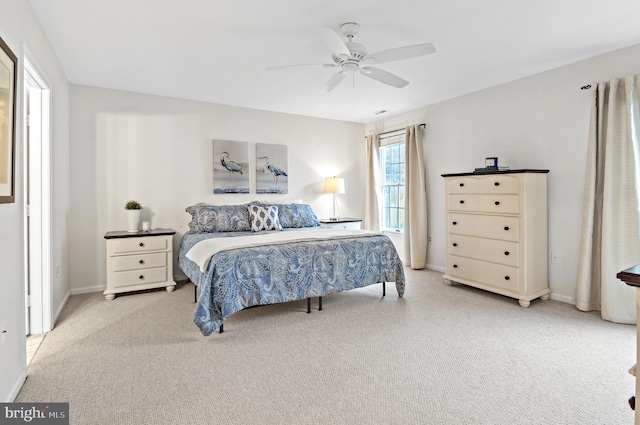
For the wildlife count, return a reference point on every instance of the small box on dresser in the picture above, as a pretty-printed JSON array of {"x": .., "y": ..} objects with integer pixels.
[
  {"x": 140, "y": 260},
  {"x": 497, "y": 232}
]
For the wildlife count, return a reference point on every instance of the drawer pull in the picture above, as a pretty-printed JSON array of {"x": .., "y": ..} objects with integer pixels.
[
  {"x": 507, "y": 278},
  {"x": 506, "y": 253},
  {"x": 497, "y": 184},
  {"x": 461, "y": 184},
  {"x": 462, "y": 201},
  {"x": 455, "y": 266},
  {"x": 141, "y": 261},
  {"x": 454, "y": 223},
  {"x": 497, "y": 202},
  {"x": 506, "y": 227},
  {"x": 455, "y": 244},
  {"x": 141, "y": 277},
  {"x": 141, "y": 243}
]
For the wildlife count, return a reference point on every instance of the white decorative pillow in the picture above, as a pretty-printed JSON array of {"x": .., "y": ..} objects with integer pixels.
[{"x": 264, "y": 218}]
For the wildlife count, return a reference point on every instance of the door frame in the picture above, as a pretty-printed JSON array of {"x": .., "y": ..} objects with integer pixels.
[{"x": 39, "y": 295}]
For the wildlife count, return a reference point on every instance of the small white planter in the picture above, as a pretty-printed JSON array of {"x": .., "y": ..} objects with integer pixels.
[{"x": 133, "y": 220}]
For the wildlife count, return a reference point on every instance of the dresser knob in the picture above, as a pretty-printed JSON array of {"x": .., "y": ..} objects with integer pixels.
[
  {"x": 497, "y": 202},
  {"x": 507, "y": 278},
  {"x": 455, "y": 244},
  {"x": 141, "y": 261},
  {"x": 455, "y": 266},
  {"x": 497, "y": 184},
  {"x": 506, "y": 253},
  {"x": 461, "y": 184},
  {"x": 141, "y": 244},
  {"x": 462, "y": 201},
  {"x": 506, "y": 227},
  {"x": 454, "y": 223},
  {"x": 141, "y": 277}
]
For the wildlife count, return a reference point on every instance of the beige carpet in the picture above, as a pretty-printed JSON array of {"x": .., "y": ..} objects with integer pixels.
[{"x": 440, "y": 355}]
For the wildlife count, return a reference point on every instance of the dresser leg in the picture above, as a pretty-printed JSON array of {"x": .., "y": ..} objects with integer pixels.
[
  {"x": 448, "y": 282},
  {"x": 170, "y": 288},
  {"x": 545, "y": 297},
  {"x": 524, "y": 303},
  {"x": 109, "y": 297}
]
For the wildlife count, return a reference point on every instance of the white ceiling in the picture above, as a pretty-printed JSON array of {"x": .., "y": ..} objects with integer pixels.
[{"x": 217, "y": 50}]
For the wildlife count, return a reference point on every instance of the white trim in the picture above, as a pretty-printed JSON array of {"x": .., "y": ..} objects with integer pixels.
[
  {"x": 88, "y": 290},
  {"x": 435, "y": 268},
  {"x": 31, "y": 67},
  {"x": 17, "y": 386},
  {"x": 62, "y": 306},
  {"x": 562, "y": 298}
]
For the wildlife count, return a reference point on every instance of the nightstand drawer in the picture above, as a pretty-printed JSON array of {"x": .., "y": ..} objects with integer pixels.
[
  {"x": 140, "y": 261},
  {"x": 140, "y": 277},
  {"x": 133, "y": 245}
]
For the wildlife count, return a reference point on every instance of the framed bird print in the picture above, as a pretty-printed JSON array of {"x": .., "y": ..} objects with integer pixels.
[
  {"x": 272, "y": 168},
  {"x": 230, "y": 167},
  {"x": 8, "y": 63}
]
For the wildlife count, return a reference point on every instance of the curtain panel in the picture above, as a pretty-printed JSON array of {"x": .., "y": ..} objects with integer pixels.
[
  {"x": 415, "y": 201},
  {"x": 371, "y": 212},
  {"x": 611, "y": 214}
]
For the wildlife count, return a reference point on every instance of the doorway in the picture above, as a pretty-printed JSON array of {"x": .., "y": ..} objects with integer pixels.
[{"x": 37, "y": 201}]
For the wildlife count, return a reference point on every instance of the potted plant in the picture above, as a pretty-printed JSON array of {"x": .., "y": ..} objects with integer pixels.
[{"x": 133, "y": 215}]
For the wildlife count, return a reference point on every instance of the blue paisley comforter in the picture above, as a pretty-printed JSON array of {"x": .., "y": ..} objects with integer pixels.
[{"x": 258, "y": 275}]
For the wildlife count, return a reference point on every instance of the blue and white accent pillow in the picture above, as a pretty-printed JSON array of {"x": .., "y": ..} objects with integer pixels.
[{"x": 264, "y": 218}]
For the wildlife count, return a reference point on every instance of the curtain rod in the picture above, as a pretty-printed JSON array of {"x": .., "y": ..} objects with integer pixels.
[{"x": 399, "y": 129}]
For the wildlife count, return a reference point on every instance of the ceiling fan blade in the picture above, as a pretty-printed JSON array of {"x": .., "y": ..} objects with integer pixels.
[
  {"x": 383, "y": 76},
  {"x": 333, "y": 81},
  {"x": 335, "y": 42},
  {"x": 400, "y": 53},
  {"x": 305, "y": 65}
]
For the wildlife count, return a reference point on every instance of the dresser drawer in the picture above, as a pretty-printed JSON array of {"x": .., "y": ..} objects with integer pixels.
[
  {"x": 497, "y": 275},
  {"x": 133, "y": 245},
  {"x": 463, "y": 185},
  {"x": 492, "y": 250},
  {"x": 484, "y": 226},
  {"x": 140, "y": 277},
  {"x": 499, "y": 204},
  {"x": 503, "y": 184},
  {"x": 139, "y": 261}
]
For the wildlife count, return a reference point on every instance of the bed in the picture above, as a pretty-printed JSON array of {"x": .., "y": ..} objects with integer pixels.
[{"x": 240, "y": 256}]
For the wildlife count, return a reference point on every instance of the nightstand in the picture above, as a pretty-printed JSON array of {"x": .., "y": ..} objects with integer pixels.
[
  {"x": 342, "y": 223},
  {"x": 141, "y": 260}
]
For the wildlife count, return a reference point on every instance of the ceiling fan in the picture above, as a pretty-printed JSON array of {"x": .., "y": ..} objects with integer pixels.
[{"x": 354, "y": 58}]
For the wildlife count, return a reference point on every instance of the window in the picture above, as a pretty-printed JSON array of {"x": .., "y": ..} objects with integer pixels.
[{"x": 392, "y": 186}]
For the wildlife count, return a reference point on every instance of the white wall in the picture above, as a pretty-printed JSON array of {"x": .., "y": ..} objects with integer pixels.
[
  {"x": 159, "y": 151},
  {"x": 537, "y": 122},
  {"x": 20, "y": 30}
]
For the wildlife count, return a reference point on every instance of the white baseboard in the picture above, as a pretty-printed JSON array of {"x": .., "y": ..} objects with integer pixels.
[
  {"x": 59, "y": 312},
  {"x": 16, "y": 387},
  {"x": 435, "y": 268},
  {"x": 87, "y": 290},
  {"x": 562, "y": 298}
]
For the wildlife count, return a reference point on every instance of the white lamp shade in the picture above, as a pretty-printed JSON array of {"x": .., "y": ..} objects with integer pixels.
[{"x": 334, "y": 185}]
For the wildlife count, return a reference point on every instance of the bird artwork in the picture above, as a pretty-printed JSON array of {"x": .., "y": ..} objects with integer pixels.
[
  {"x": 273, "y": 169},
  {"x": 232, "y": 167}
]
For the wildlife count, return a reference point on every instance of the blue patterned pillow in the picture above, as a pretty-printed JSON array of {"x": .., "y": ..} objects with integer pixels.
[
  {"x": 296, "y": 215},
  {"x": 264, "y": 218},
  {"x": 219, "y": 218}
]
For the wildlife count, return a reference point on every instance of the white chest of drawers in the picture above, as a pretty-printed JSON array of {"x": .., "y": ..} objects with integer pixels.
[
  {"x": 137, "y": 261},
  {"x": 497, "y": 232}
]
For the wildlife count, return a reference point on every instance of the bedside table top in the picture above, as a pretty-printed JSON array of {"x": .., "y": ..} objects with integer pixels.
[
  {"x": 340, "y": 220},
  {"x": 124, "y": 234}
]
